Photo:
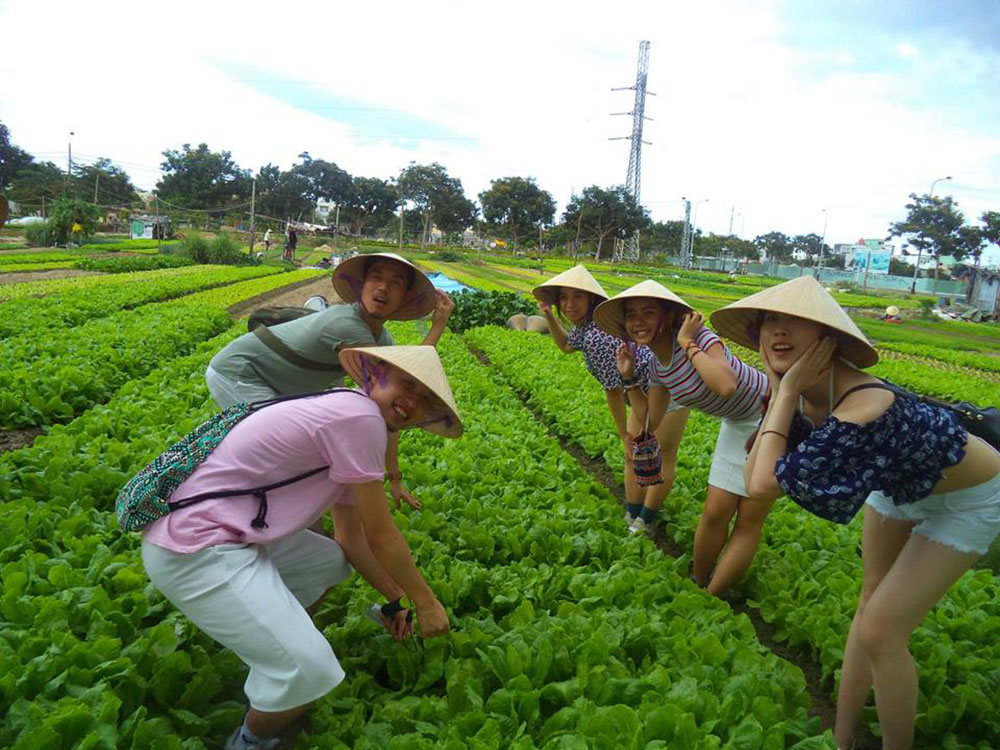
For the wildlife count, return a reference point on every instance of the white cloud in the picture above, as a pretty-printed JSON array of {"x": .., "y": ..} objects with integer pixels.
[
  {"x": 759, "y": 127},
  {"x": 907, "y": 50}
]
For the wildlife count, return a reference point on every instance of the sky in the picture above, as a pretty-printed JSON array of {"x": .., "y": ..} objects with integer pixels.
[{"x": 795, "y": 116}]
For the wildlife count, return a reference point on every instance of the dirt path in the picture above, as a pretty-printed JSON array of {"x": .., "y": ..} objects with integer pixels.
[
  {"x": 58, "y": 273},
  {"x": 15, "y": 439},
  {"x": 293, "y": 295}
]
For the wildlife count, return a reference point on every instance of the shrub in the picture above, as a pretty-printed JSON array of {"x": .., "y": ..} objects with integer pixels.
[
  {"x": 448, "y": 256},
  {"x": 221, "y": 250},
  {"x": 477, "y": 307},
  {"x": 39, "y": 235},
  {"x": 66, "y": 213}
]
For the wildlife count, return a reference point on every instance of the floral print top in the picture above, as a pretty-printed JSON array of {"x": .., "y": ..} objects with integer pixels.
[
  {"x": 902, "y": 453},
  {"x": 599, "y": 349}
]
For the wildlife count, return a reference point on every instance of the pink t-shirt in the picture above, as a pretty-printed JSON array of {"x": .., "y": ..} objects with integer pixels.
[{"x": 344, "y": 431}]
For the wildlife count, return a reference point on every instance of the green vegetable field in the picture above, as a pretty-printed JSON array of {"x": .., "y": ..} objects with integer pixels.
[{"x": 567, "y": 632}]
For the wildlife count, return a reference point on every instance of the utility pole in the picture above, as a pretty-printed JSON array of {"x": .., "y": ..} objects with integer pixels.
[
  {"x": 97, "y": 181},
  {"x": 686, "y": 239},
  {"x": 731, "y": 212},
  {"x": 69, "y": 160},
  {"x": 822, "y": 239},
  {"x": 401, "y": 209},
  {"x": 253, "y": 206}
]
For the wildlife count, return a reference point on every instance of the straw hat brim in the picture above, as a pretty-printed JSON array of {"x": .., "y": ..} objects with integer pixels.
[
  {"x": 804, "y": 298},
  {"x": 421, "y": 363},
  {"x": 349, "y": 276},
  {"x": 610, "y": 315},
  {"x": 577, "y": 277}
]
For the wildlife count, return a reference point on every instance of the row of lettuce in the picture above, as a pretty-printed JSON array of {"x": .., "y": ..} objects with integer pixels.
[
  {"x": 52, "y": 373},
  {"x": 565, "y": 635},
  {"x": 807, "y": 574}
]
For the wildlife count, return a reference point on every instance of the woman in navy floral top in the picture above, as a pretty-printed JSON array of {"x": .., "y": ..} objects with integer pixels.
[
  {"x": 574, "y": 294},
  {"x": 930, "y": 491}
]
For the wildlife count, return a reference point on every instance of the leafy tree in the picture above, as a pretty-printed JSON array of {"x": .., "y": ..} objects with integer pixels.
[
  {"x": 436, "y": 195},
  {"x": 601, "y": 213},
  {"x": 203, "y": 179},
  {"x": 991, "y": 226},
  {"x": 324, "y": 179},
  {"x": 110, "y": 183},
  {"x": 812, "y": 245},
  {"x": 371, "y": 201},
  {"x": 12, "y": 158},
  {"x": 515, "y": 206},
  {"x": 663, "y": 236},
  {"x": 67, "y": 213},
  {"x": 932, "y": 226},
  {"x": 775, "y": 246},
  {"x": 35, "y": 182},
  {"x": 281, "y": 195},
  {"x": 453, "y": 212}
]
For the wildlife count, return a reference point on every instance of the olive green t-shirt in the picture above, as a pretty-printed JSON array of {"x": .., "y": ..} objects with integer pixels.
[{"x": 318, "y": 337}]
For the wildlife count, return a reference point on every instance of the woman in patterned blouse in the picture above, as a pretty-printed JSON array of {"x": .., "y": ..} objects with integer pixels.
[
  {"x": 693, "y": 369},
  {"x": 930, "y": 491},
  {"x": 575, "y": 294}
]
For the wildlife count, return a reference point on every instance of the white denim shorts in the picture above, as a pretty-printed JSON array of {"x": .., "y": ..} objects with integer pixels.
[
  {"x": 731, "y": 455},
  {"x": 968, "y": 520},
  {"x": 251, "y": 598},
  {"x": 227, "y": 391}
]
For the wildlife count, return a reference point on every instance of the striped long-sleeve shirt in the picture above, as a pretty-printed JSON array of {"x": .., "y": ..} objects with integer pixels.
[{"x": 687, "y": 388}]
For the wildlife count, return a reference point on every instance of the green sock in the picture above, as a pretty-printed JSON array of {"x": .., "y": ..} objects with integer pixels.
[
  {"x": 633, "y": 509},
  {"x": 647, "y": 514}
]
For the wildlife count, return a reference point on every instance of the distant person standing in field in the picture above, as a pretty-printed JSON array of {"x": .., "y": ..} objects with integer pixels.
[
  {"x": 300, "y": 356},
  {"x": 693, "y": 369},
  {"x": 267, "y": 240},
  {"x": 291, "y": 241},
  {"x": 252, "y": 585},
  {"x": 574, "y": 295},
  {"x": 930, "y": 490}
]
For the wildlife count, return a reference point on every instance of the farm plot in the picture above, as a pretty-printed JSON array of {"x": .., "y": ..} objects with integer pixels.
[{"x": 807, "y": 574}]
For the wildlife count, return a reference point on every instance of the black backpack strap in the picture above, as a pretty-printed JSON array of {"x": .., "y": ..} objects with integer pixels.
[
  {"x": 279, "y": 347},
  {"x": 883, "y": 384},
  {"x": 259, "y": 521}
]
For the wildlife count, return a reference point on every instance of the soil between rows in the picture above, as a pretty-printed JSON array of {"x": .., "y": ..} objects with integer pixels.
[{"x": 821, "y": 705}]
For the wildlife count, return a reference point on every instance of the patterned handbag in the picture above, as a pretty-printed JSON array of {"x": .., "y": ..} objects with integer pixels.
[
  {"x": 647, "y": 458},
  {"x": 146, "y": 497}
]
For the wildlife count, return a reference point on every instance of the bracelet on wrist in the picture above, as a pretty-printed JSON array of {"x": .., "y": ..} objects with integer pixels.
[
  {"x": 692, "y": 351},
  {"x": 394, "y": 476},
  {"x": 389, "y": 609},
  {"x": 774, "y": 432},
  {"x": 628, "y": 382}
]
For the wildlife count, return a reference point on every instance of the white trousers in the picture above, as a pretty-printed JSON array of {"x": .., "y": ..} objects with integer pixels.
[{"x": 251, "y": 598}]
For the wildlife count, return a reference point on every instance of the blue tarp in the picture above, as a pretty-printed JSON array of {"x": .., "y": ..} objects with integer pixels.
[{"x": 446, "y": 285}]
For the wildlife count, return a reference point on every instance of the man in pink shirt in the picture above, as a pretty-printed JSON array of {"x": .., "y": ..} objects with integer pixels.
[{"x": 245, "y": 569}]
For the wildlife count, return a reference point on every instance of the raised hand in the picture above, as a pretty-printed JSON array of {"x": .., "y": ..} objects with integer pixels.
[
  {"x": 625, "y": 360},
  {"x": 690, "y": 325},
  {"x": 814, "y": 363}
]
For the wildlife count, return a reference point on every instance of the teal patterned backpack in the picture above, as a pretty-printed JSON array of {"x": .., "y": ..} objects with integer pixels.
[{"x": 145, "y": 498}]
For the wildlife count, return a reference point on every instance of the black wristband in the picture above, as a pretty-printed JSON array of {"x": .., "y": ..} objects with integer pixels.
[
  {"x": 628, "y": 382},
  {"x": 391, "y": 608}
]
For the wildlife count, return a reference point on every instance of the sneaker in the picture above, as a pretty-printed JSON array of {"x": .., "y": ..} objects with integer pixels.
[{"x": 637, "y": 526}]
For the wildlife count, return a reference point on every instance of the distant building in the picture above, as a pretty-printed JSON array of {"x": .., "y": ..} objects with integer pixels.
[{"x": 325, "y": 209}]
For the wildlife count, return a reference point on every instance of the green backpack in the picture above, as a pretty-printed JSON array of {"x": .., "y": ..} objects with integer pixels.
[{"x": 145, "y": 497}]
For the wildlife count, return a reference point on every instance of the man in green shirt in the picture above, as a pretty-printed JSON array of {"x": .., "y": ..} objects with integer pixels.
[{"x": 301, "y": 356}]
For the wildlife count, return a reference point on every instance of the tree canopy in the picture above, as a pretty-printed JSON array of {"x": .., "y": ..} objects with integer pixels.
[
  {"x": 515, "y": 206},
  {"x": 602, "y": 213},
  {"x": 203, "y": 179}
]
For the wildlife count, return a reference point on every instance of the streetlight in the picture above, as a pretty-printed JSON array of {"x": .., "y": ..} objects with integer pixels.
[
  {"x": 69, "y": 159},
  {"x": 920, "y": 249}
]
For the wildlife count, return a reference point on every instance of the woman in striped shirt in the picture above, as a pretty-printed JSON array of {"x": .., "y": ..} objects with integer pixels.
[
  {"x": 692, "y": 368},
  {"x": 574, "y": 294}
]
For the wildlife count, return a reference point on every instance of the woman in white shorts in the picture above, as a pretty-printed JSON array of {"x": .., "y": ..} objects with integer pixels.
[
  {"x": 930, "y": 490},
  {"x": 693, "y": 369},
  {"x": 246, "y": 568}
]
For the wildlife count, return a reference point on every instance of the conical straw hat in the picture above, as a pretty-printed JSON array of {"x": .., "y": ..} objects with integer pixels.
[
  {"x": 610, "y": 315},
  {"x": 349, "y": 276},
  {"x": 803, "y": 297},
  {"x": 421, "y": 363},
  {"x": 578, "y": 277}
]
